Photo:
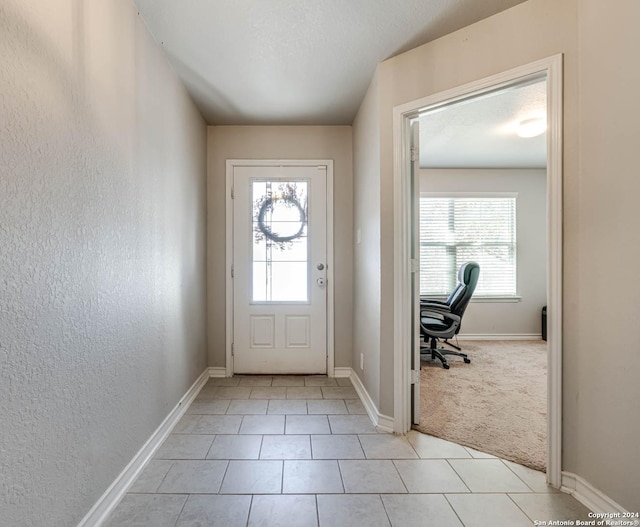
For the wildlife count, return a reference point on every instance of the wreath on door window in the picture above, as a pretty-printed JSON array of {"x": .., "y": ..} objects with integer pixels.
[{"x": 287, "y": 196}]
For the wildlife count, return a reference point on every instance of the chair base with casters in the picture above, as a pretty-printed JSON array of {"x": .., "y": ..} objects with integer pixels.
[
  {"x": 439, "y": 353},
  {"x": 441, "y": 320}
]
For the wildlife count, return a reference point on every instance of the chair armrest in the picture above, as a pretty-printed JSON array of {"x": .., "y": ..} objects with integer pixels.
[
  {"x": 425, "y": 300},
  {"x": 440, "y": 315},
  {"x": 439, "y": 308},
  {"x": 453, "y": 317}
]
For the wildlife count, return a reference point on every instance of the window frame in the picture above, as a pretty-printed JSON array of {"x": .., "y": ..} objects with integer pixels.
[{"x": 498, "y": 298}]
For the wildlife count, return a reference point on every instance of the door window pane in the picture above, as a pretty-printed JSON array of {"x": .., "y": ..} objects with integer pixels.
[
  {"x": 280, "y": 243},
  {"x": 288, "y": 281}
]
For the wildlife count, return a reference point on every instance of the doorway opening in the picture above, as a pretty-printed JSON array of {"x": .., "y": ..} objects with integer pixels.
[
  {"x": 407, "y": 249},
  {"x": 482, "y": 199}
]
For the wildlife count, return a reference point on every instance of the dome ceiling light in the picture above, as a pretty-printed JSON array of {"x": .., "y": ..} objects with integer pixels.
[{"x": 531, "y": 127}]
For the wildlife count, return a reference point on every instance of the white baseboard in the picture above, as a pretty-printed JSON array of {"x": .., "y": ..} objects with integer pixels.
[
  {"x": 386, "y": 423},
  {"x": 499, "y": 336},
  {"x": 381, "y": 421},
  {"x": 588, "y": 495},
  {"x": 217, "y": 372},
  {"x": 342, "y": 372},
  {"x": 116, "y": 491}
]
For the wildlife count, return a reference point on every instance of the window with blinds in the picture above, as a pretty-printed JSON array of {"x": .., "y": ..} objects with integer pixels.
[{"x": 457, "y": 229}]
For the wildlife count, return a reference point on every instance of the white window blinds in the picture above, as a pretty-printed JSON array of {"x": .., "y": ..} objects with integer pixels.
[{"x": 455, "y": 230}]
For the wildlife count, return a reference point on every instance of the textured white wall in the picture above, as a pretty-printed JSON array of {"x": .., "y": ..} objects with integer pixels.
[
  {"x": 280, "y": 142},
  {"x": 499, "y": 318},
  {"x": 102, "y": 251}
]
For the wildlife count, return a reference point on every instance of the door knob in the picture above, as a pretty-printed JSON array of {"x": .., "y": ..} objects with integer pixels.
[
  {"x": 321, "y": 282},
  {"x": 320, "y": 267}
]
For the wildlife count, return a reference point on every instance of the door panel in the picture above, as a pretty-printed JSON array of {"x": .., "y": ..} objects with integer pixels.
[{"x": 279, "y": 261}]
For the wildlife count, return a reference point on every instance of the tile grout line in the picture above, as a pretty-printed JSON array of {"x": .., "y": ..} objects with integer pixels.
[
  {"x": 210, "y": 446},
  {"x": 163, "y": 478},
  {"x": 250, "y": 507},
  {"x": 344, "y": 487},
  {"x": 516, "y": 475},
  {"x": 181, "y": 510},
  {"x": 364, "y": 453},
  {"x": 519, "y": 508},
  {"x": 457, "y": 474},
  {"x": 384, "y": 507},
  {"x": 226, "y": 469},
  {"x": 393, "y": 463},
  {"x": 198, "y": 418},
  {"x": 261, "y": 445},
  {"x": 452, "y": 507}
]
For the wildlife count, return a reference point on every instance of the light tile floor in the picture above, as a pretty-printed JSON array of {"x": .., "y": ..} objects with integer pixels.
[{"x": 301, "y": 451}]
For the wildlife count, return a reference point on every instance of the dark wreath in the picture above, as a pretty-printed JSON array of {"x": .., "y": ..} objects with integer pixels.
[{"x": 268, "y": 206}]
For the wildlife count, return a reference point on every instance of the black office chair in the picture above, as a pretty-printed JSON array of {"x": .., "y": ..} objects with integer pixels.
[{"x": 442, "y": 320}]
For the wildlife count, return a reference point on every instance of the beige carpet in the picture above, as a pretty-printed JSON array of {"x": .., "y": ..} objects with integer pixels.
[{"x": 497, "y": 404}]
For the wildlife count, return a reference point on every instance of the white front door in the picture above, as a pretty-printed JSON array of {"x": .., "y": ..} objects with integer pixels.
[{"x": 280, "y": 269}]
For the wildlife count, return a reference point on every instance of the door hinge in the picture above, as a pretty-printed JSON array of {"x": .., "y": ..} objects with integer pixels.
[
  {"x": 232, "y": 271},
  {"x": 232, "y": 353},
  {"x": 414, "y": 265},
  {"x": 232, "y": 196},
  {"x": 414, "y": 153},
  {"x": 415, "y": 376}
]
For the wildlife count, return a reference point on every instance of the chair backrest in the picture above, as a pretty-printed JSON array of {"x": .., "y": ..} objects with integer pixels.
[{"x": 467, "y": 280}]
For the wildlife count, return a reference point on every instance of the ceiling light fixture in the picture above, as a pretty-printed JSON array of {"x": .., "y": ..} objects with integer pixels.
[{"x": 531, "y": 127}]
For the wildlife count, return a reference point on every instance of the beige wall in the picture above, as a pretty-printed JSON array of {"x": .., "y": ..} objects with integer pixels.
[
  {"x": 500, "y": 318},
  {"x": 533, "y": 30},
  {"x": 601, "y": 362},
  {"x": 602, "y": 297},
  {"x": 102, "y": 266},
  {"x": 366, "y": 218},
  {"x": 280, "y": 142}
]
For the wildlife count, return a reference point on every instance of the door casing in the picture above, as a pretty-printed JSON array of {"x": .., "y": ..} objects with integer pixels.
[
  {"x": 550, "y": 67},
  {"x": 230, "y": 165}
]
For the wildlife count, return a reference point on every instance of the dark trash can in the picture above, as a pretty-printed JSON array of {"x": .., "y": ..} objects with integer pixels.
[{"x": 544, "y": 323}]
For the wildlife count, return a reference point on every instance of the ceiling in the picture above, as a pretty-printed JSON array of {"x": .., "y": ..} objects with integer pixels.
[
  {"x": 481, "y": 132},
  {"x": 294, "y": 61}
]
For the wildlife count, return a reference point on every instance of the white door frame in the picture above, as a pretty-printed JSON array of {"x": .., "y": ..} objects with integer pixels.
[
  {"x": 552, "y": 68},
  {"x": 328, "y": 163}
]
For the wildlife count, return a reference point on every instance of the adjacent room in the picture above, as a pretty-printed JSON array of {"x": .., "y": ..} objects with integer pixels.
[{"x": 483, "y": 199}]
